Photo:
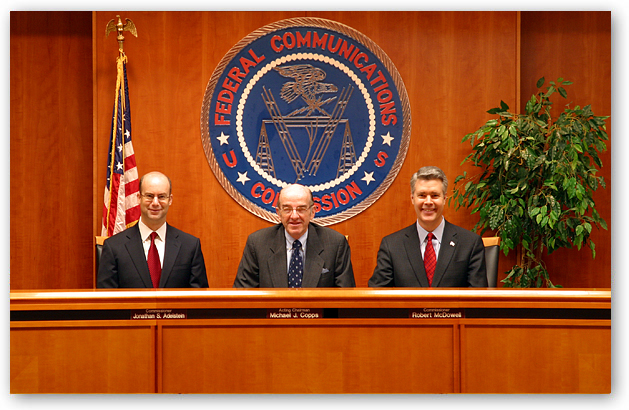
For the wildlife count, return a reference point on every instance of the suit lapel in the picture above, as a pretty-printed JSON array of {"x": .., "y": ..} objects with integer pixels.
[
  {"x": 136, "y": 253},
  {"x": 446, "y": 252},
  {"x": 314, "y": 262},
  {"x": 414, "y": 254},
  {"x": 276, "y": 264},
  {"x": 171, "y": 250}
]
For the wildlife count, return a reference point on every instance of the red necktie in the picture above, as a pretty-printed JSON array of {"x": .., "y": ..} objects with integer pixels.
[
  {"x": 155, "y": 267},
  {"x": 430, "y": 259}
]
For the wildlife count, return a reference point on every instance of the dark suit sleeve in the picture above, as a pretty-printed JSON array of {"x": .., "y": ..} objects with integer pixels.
[
  {"x": 107, "y": 268},
  {"x": 248, "y": 275},
  {"x": 383, "y": 274},
  {"x": 198, "y": 275},
  {"x": 344, "y": 272},
  {"x": 476, "y": 270}
]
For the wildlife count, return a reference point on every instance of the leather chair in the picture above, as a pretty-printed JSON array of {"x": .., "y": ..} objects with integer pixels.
[
  {"x": 492, "y": 252},
  {"x": 99, "y": 240}
]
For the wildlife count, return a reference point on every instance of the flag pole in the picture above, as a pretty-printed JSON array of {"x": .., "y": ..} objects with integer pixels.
[{"x": 121, "y": 207}]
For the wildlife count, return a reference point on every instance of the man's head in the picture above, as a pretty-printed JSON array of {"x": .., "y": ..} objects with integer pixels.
[
  {"x": 428, "y": 196},
  {"x": 155, "y": 197},
  {"x": 295, "y": 207}
]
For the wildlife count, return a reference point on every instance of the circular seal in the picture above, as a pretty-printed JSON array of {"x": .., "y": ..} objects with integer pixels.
[{"x": 308, "y": 101}]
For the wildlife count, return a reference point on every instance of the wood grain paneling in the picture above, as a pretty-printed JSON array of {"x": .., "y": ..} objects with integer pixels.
[
  {"x": 436, "y": 54},
  {"x": 584, "y": 366},
  {"x": 504, "y": 341},
  {"x": 83, "y": 358},
  {"x": 575, "y": 46},
  {"x": 115, "y": 299},
  {"x": 455, "y": 66},
  {"x": 51, "y": 150},
  {"x": 275, "y": 358}
]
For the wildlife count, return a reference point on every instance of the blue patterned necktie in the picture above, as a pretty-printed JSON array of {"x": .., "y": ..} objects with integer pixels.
[{"x": 296, "y": 268}]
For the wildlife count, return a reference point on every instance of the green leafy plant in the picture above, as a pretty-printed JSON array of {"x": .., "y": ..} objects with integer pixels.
[{"x": 536, "y": 181}]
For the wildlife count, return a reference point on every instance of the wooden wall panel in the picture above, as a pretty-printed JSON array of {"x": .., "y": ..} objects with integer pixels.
[
  {"x": 577, "y": 47},
  {"x": 169, "y": 65},
  {"x": 436, "y": 54},
  {"x": 51, "y": 150},
  {"x": 455, "y": 66}
]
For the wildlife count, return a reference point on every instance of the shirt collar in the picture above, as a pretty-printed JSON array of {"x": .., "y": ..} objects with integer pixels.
[
  {"x": 290, "y": 240},
  {"x": 145, "y": 231},
  {"x": 438, "y": 232}
]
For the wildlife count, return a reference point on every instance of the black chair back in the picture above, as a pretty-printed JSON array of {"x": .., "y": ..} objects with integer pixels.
[
  {"x": 99, "y": 240},
  {"x": 492, "y": 254}
]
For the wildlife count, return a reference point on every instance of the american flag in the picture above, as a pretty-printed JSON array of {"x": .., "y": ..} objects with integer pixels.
[{"x": 122, "y": 206}]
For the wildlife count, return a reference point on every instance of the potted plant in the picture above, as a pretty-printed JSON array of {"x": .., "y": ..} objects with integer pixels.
[{"x": 536, "y": 180}]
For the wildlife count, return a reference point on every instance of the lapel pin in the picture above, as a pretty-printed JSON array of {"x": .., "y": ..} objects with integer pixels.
[{"x": 451, "y": 243}]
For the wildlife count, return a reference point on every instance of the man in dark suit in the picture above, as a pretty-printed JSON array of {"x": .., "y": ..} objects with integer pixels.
[
  {"x": 457, "y": 255},
  {"x": 151, "y": 253},
  {"x": 296, "y": 253}
]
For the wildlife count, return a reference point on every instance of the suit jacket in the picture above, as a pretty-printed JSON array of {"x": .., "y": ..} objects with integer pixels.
[
  {"x": 123, "y": 263},
  {"x": 263, "y": 264},
  {"x": 460, "y": 263}
]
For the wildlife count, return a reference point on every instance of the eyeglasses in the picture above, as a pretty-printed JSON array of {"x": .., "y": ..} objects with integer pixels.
[
  {"x": 301, "y": 210},
  {"x": 151, "y": 197}
]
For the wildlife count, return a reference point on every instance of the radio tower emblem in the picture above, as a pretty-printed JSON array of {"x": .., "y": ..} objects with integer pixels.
[{"x": 312, "y": 117}]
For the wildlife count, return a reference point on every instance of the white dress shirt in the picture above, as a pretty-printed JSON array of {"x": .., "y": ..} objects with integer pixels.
[
  {"x": 160, "y": 240},
  {"x": 436, "y": 242},
  {"x": 289, "y": 248}
]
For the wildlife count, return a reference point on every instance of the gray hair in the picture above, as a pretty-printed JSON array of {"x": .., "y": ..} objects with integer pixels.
[{"x": 429, "y": 173}]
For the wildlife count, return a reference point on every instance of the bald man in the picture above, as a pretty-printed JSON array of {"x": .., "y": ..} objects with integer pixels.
[
  {"x": 324, "y": 254},
  {"x": 152, "y": 254}
]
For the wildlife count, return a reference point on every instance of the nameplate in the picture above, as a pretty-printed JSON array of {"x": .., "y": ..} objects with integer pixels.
[
  {"x": 159, "y": 314},
  {"x": 294, "y": 313},
  {"x": 436, "y": 313}
]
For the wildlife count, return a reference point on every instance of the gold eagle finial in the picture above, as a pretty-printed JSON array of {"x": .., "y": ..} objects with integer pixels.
[{"x": 128, "y": 26}]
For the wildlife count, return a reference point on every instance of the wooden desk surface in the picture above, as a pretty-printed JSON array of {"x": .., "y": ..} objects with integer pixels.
[
  {"x": 506, "y": 341},
  {"x": 355, "y": 297}
]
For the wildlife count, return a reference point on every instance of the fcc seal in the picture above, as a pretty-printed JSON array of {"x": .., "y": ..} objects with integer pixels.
[{"x": 306, "y": 101}]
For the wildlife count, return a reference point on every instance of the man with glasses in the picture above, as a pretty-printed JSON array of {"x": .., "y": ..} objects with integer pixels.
[
  {"x": 152, "y": 254},
  {"x": 297, "y": 252}
]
